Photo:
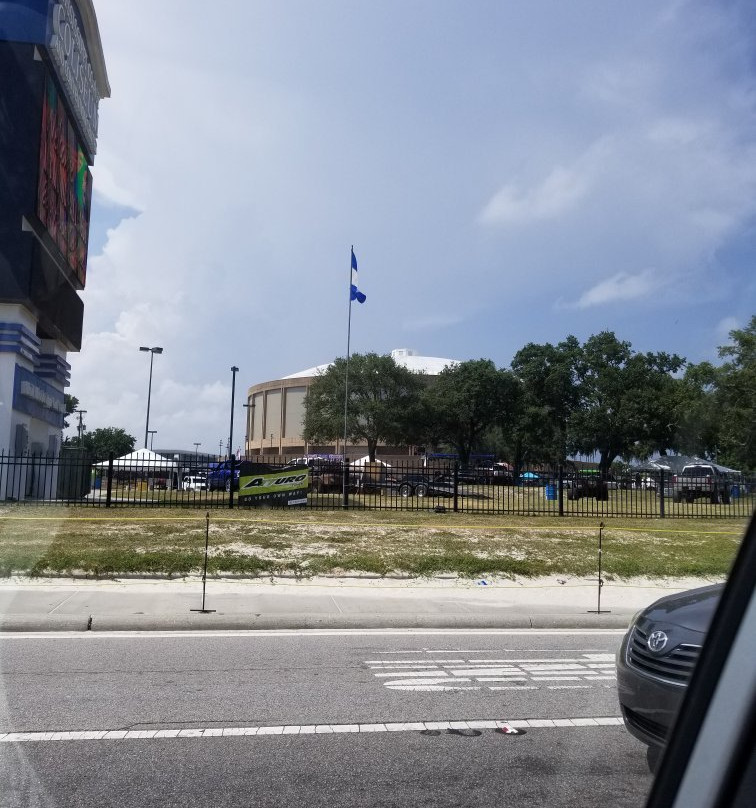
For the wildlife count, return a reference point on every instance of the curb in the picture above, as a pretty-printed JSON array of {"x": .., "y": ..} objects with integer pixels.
[{"x": 298, "y": 622}]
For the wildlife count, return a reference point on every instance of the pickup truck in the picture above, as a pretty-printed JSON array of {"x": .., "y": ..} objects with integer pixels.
[{"x": 698, "y": 480}]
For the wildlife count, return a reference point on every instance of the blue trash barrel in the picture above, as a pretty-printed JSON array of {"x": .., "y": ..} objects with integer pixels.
[
  {"x": 551, "y": 491},
  {"x": 735, "y": 491}
]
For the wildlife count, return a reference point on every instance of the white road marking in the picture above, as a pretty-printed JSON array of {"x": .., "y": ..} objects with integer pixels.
[
  {"x": 568, "y": 687},
  {"x": 434, "y": 673},
  {"x": 308, "y": 729},
  {"x": 514, "y": 687}
]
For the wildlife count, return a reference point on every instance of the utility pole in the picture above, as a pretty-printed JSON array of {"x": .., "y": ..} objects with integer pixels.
[{"x": 81, "y": 424}]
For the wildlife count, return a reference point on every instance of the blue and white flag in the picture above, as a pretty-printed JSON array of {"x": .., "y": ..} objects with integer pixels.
[{"x": 354, "y": 292}]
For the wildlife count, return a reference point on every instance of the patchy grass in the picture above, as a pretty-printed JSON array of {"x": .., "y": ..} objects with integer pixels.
[{"x": 54, "y": 540}]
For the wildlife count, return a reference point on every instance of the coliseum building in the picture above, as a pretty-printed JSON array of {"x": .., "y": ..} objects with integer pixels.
[{"x": 275, "y": 409}]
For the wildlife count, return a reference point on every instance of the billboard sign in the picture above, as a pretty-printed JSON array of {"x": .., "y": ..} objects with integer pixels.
[
  {"x": 261, "y": 483},
  {"x": 64, "y": 193},
  {"x": 68, "y": 54}
]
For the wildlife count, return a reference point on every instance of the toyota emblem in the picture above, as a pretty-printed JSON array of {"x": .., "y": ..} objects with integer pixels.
[{"x": 657, "y": 641}]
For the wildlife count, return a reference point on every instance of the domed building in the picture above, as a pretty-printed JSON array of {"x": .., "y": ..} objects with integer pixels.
[{"x": 275, "y": 409}]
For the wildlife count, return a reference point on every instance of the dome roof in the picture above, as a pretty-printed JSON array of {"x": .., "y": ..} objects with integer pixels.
[{"x": 430, "y": 365}]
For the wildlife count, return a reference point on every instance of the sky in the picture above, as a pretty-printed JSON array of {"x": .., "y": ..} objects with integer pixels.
[{"x": 507, "y": 172}]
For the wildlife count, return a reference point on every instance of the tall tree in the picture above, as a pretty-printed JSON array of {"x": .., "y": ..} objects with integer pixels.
[
  {"x": 465, "y": 400},
  {"x": 696, "y": 411},
  {"x": 70, "y": 403},
  {"x": 100, "y": 442},
  {"x": 623, "y": 397},
  {"x": 383, "y": 400},
  {"x": 736, "y": 395},
  {"x": 550, "y": 394}
]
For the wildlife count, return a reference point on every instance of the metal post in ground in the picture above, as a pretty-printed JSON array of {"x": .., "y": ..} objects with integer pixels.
[
  {"x": 203, "y": 610},
  {"x": 560, "y": 492},
  {"x": 598, "y": 610},
  {"x": 456, "y": 486},
  {"x": 109, "y": 490},
  {"x": 661, "y": 494}
]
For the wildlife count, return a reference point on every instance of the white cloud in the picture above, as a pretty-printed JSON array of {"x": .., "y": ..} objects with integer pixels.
[
  {"x": 557, "y": 194},
  {"x": 632, "y": 146},
  {"x": 621, "y": 287}
]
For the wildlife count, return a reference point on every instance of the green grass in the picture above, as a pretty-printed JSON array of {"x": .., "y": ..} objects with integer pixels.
[{"x": 57, "y": 540}]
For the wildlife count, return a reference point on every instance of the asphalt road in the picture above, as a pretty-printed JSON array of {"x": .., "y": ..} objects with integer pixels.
[{"x": 329, "y": 718}]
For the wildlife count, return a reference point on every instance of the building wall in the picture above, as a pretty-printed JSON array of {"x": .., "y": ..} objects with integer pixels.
[
  {"x": 275, "y": 411},
  {"x": 53, "y": 77}
]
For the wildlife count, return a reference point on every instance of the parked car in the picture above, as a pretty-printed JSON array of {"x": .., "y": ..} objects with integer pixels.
[
  {"x": 699, "y": 480},
  {"x": 192, "y": 482},
  {"x": 656, "y": 660},
  {"x": 219, "y": 476},
  {"x": 589, "y": 485}
]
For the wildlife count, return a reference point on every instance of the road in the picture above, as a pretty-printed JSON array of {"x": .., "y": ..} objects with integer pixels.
[{"x": 337, "y": 718}]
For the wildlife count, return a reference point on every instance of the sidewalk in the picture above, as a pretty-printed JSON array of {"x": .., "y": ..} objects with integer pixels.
[{"x": 337, "y": 603}]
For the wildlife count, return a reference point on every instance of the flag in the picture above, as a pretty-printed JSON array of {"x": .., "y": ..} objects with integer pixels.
[{"x": 354, "y": 292}]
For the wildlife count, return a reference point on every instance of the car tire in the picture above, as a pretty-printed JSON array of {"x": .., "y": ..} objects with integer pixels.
[
  {"x": 715, "y": 498},
  {"x": 405, "y": 490},
  {"x": 677, "y": 497},
  {"x": 421, "y": 490}
]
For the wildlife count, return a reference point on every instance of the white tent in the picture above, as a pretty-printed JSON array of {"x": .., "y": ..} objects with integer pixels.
[
  {"x": 362, "y": 461},
  {"x": 141, "y": 460}
]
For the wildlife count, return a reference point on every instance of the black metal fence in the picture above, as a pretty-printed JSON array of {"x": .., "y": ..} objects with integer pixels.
[{"x": 75, "y": 478}]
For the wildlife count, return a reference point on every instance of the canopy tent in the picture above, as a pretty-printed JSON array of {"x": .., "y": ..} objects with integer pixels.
[
  {"x": 139, "y": 461},
  {"x": 676, "y": 463},
  {"x": 362, "y": 461}
]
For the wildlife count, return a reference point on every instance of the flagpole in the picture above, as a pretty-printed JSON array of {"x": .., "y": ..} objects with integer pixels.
[{"x": 346, "y": 386}]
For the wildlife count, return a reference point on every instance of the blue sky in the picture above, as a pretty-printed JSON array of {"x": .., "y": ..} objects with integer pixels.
[{"x": 507, "y": 172}]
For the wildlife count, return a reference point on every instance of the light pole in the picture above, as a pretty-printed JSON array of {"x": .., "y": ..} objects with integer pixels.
[
  {"x": 196, "y": 457},
  {"x": 152, "y": 352},
  {"x": 153, "y": 432},
  {"x": 234, "y": 371}
]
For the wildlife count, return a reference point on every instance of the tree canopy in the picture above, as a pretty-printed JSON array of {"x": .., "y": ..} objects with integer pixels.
[
  {"x": 465, "y": 399},
  {"x": 100, "y": 442},
  {"x": 555, "y": 401},
  {"x": 383, "y": 401}
]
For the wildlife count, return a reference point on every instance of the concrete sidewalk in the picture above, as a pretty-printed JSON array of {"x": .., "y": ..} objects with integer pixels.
[{"x": 283, "y": 603}]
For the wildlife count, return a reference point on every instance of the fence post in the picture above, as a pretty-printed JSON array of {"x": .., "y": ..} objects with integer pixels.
[
  {"x": 232, "y": 477},
  {"x": 560, "y": 491},
  {"x": 456, "y": 486},
  {"x": 661, "y": 494},
  {"x": 109, "y": 494},
  {"x": 345, "y": 482}
]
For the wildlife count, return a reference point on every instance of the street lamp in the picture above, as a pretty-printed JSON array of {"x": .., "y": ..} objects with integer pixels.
[
  {"x": 153, "y": 432},
  {"x": 196, "y": 457},
  {"x": 152, "y": 352}
]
